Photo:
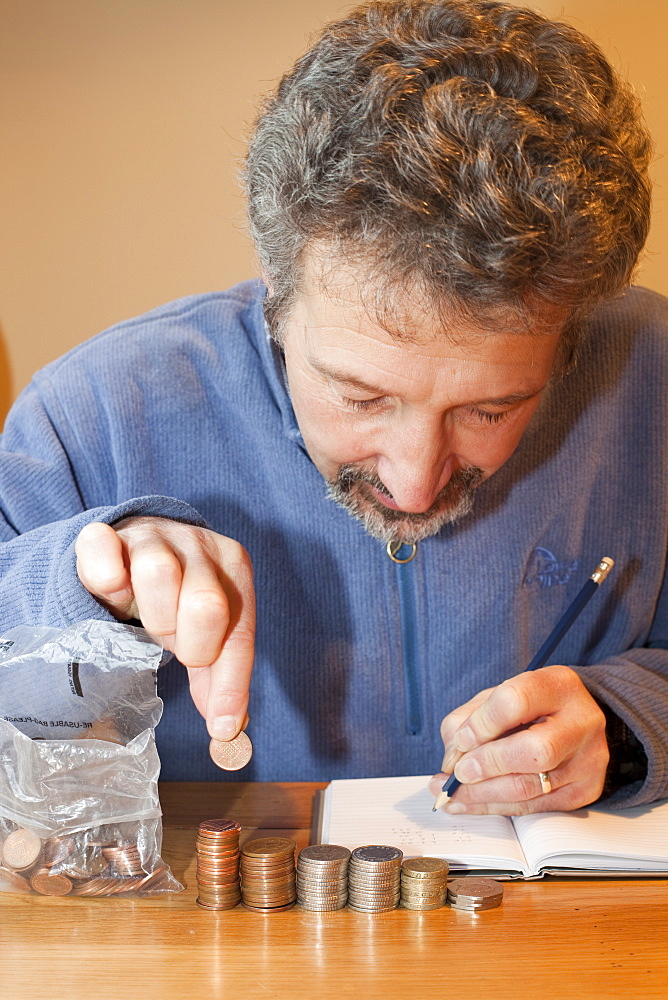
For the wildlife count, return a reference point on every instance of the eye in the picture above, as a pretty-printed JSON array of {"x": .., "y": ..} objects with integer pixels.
[
  {"x": 491, "y": 418},
  {"x": 363, "y": 405}
]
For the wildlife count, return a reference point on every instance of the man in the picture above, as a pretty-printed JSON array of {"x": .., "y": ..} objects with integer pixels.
[{"x": 444, "y": 196}]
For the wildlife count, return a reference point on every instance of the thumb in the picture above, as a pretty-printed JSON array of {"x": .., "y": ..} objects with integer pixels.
[{"x": 102, "y": 569}]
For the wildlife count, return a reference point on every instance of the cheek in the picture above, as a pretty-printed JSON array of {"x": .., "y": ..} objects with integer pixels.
[
  {"x": 332, "y": 437},
  {"x": 491, "y": 447}
]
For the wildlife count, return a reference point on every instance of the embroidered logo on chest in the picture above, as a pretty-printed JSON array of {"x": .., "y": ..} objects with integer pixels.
[{"x": 545, "y": 570}]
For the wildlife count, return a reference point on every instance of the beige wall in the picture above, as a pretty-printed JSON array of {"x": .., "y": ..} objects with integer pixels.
[{"x": 123, "y": 123}]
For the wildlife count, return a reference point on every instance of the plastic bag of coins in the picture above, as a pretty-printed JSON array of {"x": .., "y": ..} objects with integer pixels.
[
  {"x": 79, "y": 813},
  {"x": 102, "y": 861},
  {"x": 424, "y": 883},
  {"x": 218, "y": 884},
  {"x": 267, "y": 869},
  {"x": 374, "y": 878},
  {"x": 473, "y": 893},
  {"x": 322, "y": 877}
]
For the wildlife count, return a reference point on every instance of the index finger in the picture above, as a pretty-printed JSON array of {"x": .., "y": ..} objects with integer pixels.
[
  {"x": 230, "y": 673},
  {"x": 516, "y": 702}
]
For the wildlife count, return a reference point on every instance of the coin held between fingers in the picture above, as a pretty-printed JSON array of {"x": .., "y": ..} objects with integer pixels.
[{"x": 231, "y": 755}]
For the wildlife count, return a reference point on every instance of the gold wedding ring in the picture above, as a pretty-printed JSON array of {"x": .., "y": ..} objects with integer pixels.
[{"x": 545, "y": 783}]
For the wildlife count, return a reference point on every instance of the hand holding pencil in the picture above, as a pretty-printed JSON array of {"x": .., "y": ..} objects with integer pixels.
[{"x": 534, "y": 743}]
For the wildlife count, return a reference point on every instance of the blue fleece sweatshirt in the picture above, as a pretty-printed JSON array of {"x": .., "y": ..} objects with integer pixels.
[{"x": 184, "y": 413}]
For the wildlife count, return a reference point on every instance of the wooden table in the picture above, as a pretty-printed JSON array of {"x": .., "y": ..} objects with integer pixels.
[{"x": 547, "y": 940}]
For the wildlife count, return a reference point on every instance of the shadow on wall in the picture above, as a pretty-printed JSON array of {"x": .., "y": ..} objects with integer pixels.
[{"x": 6, "y": 395}]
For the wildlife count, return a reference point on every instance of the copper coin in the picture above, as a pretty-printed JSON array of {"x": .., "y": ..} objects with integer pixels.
[
  {"x": 21, "y": 850},
  {"x": 57, "y": 849},
  {"x": 219, "y": 906},
  {"x": 219, "y": 826},
  {"x": 266, "y": 846},
  {"x": 17, "y": 882},
  {"x": 231, "y": 755},
  {"x": 267, "y": 909},
  {"x": 48, "y": 884}
]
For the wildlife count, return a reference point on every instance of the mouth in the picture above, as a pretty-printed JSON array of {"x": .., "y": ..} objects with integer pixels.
[{"x": 385, "y": 498}]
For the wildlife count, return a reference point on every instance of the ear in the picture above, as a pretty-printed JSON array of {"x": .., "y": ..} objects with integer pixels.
[{"x": 270, "y": 287}]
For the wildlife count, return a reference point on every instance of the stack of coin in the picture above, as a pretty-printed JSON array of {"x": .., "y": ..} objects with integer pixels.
[
  {"x": 124, "y": 858},
  {"x": 474, "y": 893},
  {"x": 268, "y": 874},
  {"x": 322, "y": 877},
  {"x": 374, "y": 875},
  {"x": 424, "y": 883},
  {"x": 218, "y": 884}
]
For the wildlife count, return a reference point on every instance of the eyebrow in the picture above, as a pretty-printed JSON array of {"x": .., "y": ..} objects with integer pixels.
[{"x": 347, "y": 378}]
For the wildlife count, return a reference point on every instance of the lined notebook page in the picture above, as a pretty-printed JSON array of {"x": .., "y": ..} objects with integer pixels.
[
  {"x": 398, "y": 812},
  {"x": 629, "y": 838}
]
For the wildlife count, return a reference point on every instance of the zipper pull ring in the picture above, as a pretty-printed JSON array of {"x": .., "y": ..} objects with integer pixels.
[{"x": 394, "y": 547}]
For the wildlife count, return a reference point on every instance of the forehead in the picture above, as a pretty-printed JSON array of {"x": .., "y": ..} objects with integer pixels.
[{"x": 337, "y": 295}]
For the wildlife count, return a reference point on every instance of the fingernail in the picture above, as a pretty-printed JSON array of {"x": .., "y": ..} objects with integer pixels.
[
  {"x": 224, "y": 727},
  {"x": 455, "y": 808},
  {"x": 468, "y": 770},
  {"x": 119, "y": 597},
  {"x": 465, "y": 739}
]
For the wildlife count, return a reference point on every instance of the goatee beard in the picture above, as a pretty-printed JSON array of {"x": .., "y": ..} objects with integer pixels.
[{"x": 351, "y": 490}]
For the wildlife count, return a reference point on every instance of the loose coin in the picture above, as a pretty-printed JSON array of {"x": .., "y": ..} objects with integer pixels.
[
  {"x": 231, "y": 755},
  {"x": 21, "y": 850},
  {"x": 16, "y": 882},
  {"x": 48, "y": 884}
]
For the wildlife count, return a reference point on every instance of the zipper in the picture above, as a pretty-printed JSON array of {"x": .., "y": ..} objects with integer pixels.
[{"x": 409, "y": 643}]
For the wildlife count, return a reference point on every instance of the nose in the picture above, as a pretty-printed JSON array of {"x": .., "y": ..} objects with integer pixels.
[{"x": 415, "y": 463}]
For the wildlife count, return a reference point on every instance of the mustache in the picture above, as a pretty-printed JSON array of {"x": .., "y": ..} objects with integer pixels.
[{"x": 462, "y": 481}]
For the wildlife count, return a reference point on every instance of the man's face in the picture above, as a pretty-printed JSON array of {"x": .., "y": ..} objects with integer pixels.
[{"x": 403, "y": 430}]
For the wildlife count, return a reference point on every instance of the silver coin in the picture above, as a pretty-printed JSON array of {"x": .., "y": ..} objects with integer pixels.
[
  {"x": 475, "y": 888},
  {"x": 377, "y": 854},
  {"x": 322, "y": 907},
  {"x": 323, "y": 853},
  {"x": 474, "y": 907}
]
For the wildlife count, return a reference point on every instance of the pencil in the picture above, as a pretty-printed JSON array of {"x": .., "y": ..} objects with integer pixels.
[{"x": 556, "y": 635}]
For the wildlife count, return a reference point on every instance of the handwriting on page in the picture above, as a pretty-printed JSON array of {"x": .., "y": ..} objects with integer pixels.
[
  {"x": 398, "y": 811},
  {"x": 428, "y": 838}
]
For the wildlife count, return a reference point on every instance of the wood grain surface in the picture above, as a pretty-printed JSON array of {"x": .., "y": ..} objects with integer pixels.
[{"x": 549, "y": 939}]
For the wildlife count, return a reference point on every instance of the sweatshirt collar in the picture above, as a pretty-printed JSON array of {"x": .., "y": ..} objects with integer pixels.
[{"x": 273, "y": 364}]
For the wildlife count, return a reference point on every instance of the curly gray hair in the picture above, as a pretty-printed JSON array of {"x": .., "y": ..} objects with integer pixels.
[{"x": 476, "y": 150}]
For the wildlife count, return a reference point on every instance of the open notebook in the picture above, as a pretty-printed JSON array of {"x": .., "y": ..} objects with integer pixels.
[{"x": 398, "y": 811}]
